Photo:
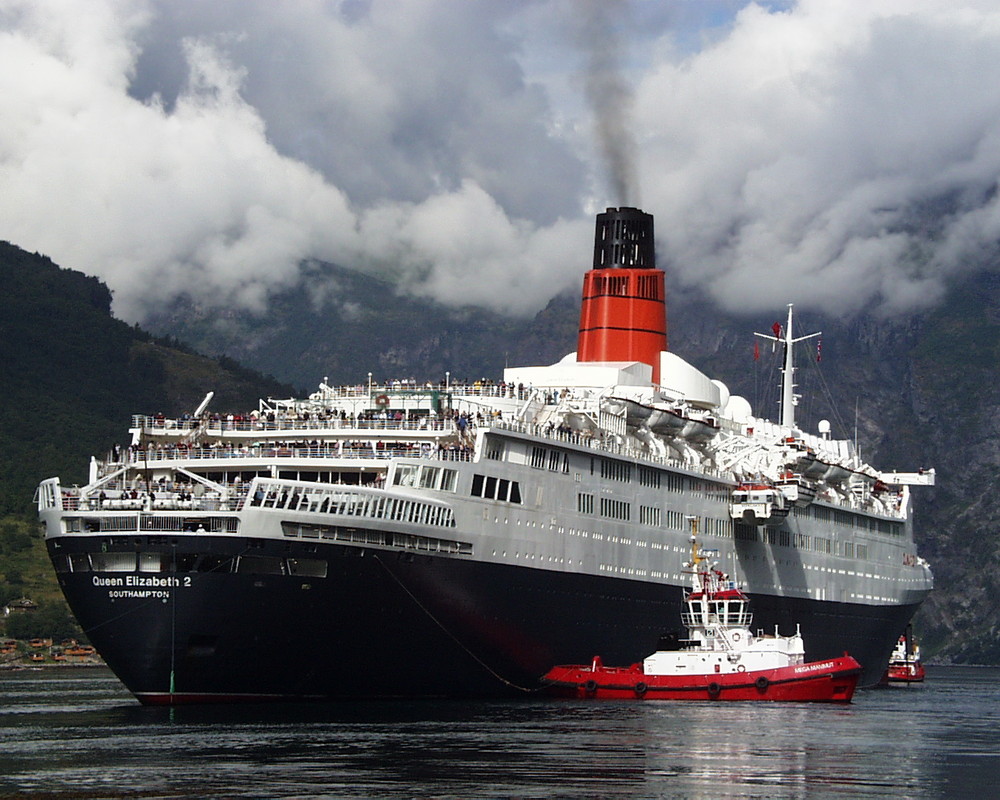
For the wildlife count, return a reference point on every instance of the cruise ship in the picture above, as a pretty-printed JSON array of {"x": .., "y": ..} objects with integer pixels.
[{"x": 404, "y": 539}]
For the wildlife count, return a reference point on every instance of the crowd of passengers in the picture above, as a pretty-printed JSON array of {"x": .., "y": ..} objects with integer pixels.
[
  {"x": 448, "y": 419},
  {"x": 377, "y": 417},
  {"x": 451, "y": 451}
]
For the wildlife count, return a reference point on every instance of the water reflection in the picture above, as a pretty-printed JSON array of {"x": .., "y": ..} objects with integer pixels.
[{"x": 82, "y": 736}]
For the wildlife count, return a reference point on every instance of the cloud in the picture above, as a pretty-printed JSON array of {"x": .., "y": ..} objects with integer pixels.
[
  {"x": 841, "y": 155},
  {"x": 200, "y": 186}
]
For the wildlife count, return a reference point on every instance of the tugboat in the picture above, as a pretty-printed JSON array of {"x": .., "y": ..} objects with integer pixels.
[
  {"x": 725, "y": 660},
  {"x": 905, "y": 665}
]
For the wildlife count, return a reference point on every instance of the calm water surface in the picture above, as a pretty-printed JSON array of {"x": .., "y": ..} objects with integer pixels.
[{"x": 76, "y": 733}]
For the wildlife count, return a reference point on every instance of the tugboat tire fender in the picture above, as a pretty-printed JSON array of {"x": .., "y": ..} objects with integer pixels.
[
  {"x": 641, "y": 688},
  {"x": 762, "y": 683},
  {"x": 590, "y": 687},
  {"x": 714, "y": 689}
]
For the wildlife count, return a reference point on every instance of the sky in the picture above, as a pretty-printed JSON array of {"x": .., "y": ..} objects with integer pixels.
[{"x": 842, "y": 156}]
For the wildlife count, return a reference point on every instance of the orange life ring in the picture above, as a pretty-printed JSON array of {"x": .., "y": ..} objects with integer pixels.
[{"x": 382, "y": 400}]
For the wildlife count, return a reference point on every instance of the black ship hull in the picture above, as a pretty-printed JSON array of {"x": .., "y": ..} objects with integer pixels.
[{"x": 384, "y": 623}]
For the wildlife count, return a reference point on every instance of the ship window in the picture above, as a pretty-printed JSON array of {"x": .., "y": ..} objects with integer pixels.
[
  {"x": 406, "y": 475},
  {"x": 261, "y": 565},
  {"x": 153, "y": 562},
  {"x": 585, "y": 503},
  {"x": 429, "y": 477},
  {"x": 214, "y": 563},
  {"x": 449, "y": 480},
  {"x": 307, "y": 567},
  {"x": 61, "y": 563},
  {"x": 649, "y": 477},
  {"x": 184, "y": 562},
  {"x": 494, "y": 450},
  {"x": 538, "y": 457},
  {"x": 113, "y": 562},
  {"x": 491, "y": 487},
  {"x": 649, "y": 515},
  {"x": 477, "y": 485},
  {"x": 515, "y": 492}
]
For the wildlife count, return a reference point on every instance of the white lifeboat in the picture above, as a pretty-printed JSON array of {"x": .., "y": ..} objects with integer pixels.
[{"x": 759, "y": 503}]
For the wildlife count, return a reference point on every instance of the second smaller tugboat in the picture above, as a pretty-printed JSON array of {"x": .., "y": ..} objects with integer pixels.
[
  {"x": 724, "y": 660},
  {"x": 905, "y": 665}
]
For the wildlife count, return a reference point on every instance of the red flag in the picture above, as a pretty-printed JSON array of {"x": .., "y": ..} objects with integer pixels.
[
  {"x": 776, "y": 327},
  {"x": 756, "y": 350}
]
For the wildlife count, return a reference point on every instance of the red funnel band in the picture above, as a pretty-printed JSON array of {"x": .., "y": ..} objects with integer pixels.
[{"x": 623, "y": 317}]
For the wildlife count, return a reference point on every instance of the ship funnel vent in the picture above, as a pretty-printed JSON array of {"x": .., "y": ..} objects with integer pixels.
[{"x": 624, "y": 239}]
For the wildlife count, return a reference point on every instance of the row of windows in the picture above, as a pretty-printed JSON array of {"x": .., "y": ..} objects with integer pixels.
[
  {"x": 818, "y": 544},
  {"x": 854, "y": 521},
  {"x": 615, "y": 509},
  {"x": 649, "y": 477},
  {"x": 405, "y": 541},
  {"x": 187, "y": 562},
  {"x": 649, "y": 515},
  {"x": 614, "y": 470},
  {"x": 493, "y": 488},
  {"x": 548, "y": 458},
  {"x": 352, "y": 502},
  {"x": 151, "y": 522},
  {"x": 426, "y": 477}
]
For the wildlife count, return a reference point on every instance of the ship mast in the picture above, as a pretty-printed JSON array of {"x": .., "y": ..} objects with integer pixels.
[{"x": 788, "y": 396}]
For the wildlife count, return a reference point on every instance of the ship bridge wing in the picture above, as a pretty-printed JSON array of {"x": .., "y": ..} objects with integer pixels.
[{"x": 923, "y": 477}]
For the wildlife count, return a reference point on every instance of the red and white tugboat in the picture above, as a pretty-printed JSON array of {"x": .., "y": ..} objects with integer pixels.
[
  {"x": 905, "y": 665},
  {"x": 725, "y": 660}
]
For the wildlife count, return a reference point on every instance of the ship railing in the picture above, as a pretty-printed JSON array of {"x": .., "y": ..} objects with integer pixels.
[
  {"x": 604, "y": 445},
  {"x": 158, "y": 455},
  {"x": 72, "y": 500},
  {"x": 250, "y": 424},
  {"x": 479, "y": 388},
  {"x": 352, "y": 451}
]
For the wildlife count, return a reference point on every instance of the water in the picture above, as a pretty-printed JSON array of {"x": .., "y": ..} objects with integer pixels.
[{"x": 76, "y": 733}]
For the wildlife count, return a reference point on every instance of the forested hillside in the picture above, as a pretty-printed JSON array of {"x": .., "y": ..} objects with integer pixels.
[{"x": 71, "y": 376}]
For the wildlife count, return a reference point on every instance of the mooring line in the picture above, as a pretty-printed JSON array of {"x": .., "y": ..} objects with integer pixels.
[{"x": 452, "y": 636}]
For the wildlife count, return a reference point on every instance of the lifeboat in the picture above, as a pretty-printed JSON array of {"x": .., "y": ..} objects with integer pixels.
[
  {"x": 724, "y": 659},
  {"x": 759, "y": 503},
  {"x": 798, "y": 490}
]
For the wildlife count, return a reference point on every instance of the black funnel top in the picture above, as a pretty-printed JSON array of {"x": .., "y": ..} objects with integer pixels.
[{"x": 624, "y": 238}]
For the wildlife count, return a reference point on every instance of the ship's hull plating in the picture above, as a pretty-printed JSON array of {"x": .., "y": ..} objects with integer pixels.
[{"x": 385, "y": 623}]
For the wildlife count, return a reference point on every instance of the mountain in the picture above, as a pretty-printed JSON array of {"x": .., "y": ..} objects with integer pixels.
[
  {"x": 914, "y": 392},
  {"x": 72, "y": 375}
]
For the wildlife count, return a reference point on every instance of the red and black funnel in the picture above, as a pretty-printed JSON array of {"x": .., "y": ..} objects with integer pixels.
[{"x": 624, "y": 312}]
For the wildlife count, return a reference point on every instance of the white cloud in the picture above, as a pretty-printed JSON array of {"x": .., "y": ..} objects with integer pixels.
[
  {"x": 833, "y": 155},
  {"x": 794, "y": 156}
]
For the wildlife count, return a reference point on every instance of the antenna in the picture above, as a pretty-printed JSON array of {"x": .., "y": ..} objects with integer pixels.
[{"x": 788, "y": 367}]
